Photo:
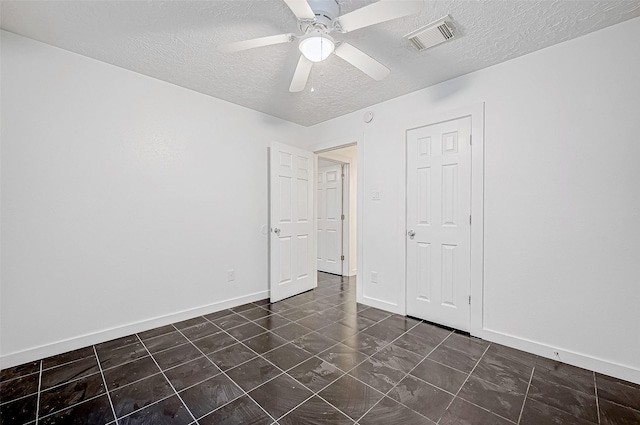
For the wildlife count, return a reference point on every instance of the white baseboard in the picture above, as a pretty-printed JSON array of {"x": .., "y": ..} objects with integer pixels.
[
  {"x": 566, "y": 356},
  {"x": 59, "y": 347},
  {"x": 381, "y": 304}
]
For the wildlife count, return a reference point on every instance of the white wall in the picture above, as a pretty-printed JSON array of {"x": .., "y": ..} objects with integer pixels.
[
  {"x": 349, "y": 155},
  {"x": 562, "y": 197},
  {"x": 124, "y": 199}
]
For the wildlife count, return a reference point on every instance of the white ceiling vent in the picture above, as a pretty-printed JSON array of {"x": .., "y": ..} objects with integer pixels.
[{"x": 433, "y": 34}]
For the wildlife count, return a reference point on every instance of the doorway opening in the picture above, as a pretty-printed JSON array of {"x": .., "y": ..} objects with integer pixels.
[{"x": 336, "y": 204}]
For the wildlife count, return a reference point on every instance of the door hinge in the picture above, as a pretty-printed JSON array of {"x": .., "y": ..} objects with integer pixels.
[
  {"x": 342, "y": 217},
  {"x": 343, "y": 177},
  {"x": 470, "y": 139},
  {"x": 469, "y": 299},
  {"x": 342, "y": 257},
  {"x": 469, "y": 218}
]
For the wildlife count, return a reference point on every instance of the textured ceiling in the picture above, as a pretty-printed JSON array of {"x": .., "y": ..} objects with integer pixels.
[{"x": 175, "y": 41}]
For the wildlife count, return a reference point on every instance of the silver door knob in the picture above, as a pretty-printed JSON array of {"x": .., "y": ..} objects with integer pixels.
[
  {"x": 411, "y": 233},
  {"x": 276, "y": 231}
]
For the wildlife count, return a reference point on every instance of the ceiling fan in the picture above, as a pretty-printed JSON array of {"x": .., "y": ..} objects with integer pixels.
[{"x": 317, "y": 19}]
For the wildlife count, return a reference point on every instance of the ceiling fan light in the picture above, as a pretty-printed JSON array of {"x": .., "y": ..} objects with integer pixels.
[{"x": 316, "y": 47}]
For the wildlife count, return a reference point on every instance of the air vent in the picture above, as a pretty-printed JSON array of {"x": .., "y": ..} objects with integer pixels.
[{"x": 432, "y": 34}]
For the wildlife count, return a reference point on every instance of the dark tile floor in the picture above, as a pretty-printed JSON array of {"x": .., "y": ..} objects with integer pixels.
[{"x": 317, "y": 358}]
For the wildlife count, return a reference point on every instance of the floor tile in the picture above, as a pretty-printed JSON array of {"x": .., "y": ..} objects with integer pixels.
[
  {"x": 262, "y": 302},
  {"x": 397, "y": 358},
  {"x": 272, "y": 322},
  {"x": 20, "y": 370},
  {"x": 215, "y": 342},
  {"x": 474, "y": 347},
  {"x": 615, "y": 414},
  {"x": 316, "y": 373},
  {"x": 315, "y": 411},
  {"x": 364, "y": 343},
  {"x": 96, "y": 411},
  {"x": 374, "y": 314},
  {"x": 191, "y": 373},
  {"x": 294, "y": 314},
  {"x": 246, "y": 331},
  {"x": 351, "y": 396},
  {"x": 402, "y": 323},
  {"x": 190, "y": 322},
  {"x": 441, "y": 376},
  {"x": 462, "y": 413},
  {"x": 69, "y": 372},
  {"x": 243, "y": 307},
  {"x": 356, "y": 322},
  {"x": 110, "y": 357},
  {"x": 280, "y": 395},
  {"x": 536, "y": 413},
  {"x": 19, "y": 387},
  {"x": 494, "y": 398},
  {"x": 253, "y": 373},
  {"x": 338, "y": 332},
  {"x": 232, "y": 356},
  {"x": 67, "y": 357},
  {"x": 513, "y": 354},
  {"x": 431, "y": 334},
  {"x": 505, "y": 372},
  {"x": 568, "y": 376},
  {"x": 200, "y": 331},
  {"x": 314, "y": 322},
  {"x": 342, "y": 356},
  {"x": 207, "y": 396},
  {"x": 453, "y": 358},
  {"x": 383, "y": 332},
  {"x": 229, "y": 322},
  {"x": 176, "y": 356},
  {"x": 218, "y": 314},
  {"x": 265, "y": 342},
  {"x": 140, "y": 394},
  {"x": 129, "y": 372},
  {"x": 166, "y": 341},
  {"x": 169, "y": 411},
  {"x": 625, "y": 394},
  {"x": 388, "y": 411},
  {"x": 314, "y": 342},
  {"x": 152, "y": 333},
  {"x": 19, "y": 411},
  {"x": 287, "y": 356},
  {"x": 415, "y": 344},
  {"x": 242, "y": 410},
  {"x": 115, "y": 344},
  {"x": 574, "y": 402},
  {"x": 255, "y": 313},
  {"x": 421, "y": 397},
  {"x": 377, "y": 375},
  {"x": 291, "y": 331},
  {"x": 66, "y": 395}
]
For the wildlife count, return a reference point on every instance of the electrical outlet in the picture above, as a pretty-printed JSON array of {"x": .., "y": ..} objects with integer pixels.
[
  {"x": 376, "y": 195},
  {"x": 374, "y": 277},
  {"x": 231, "y": 275}
]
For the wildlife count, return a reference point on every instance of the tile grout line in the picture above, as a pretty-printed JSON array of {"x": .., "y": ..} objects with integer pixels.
[
  {"x": 106, "y": 388},
  {"x": 595, "y": 384},
  {"x": 407, "y": 374},
  {"x": 465, "y": 381},
  {"x": 526, "y": 394},
  {"x": 39, "y": 392},
  {"x": 228, "y": 377},
  {"x": 165, "y": 377}
]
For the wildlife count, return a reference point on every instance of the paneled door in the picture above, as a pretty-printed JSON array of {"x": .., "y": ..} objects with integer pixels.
[
  {"x": 329, "y": 219},
  {"x": 439, "y": 223},
  {"x": 292, "y": 257}
]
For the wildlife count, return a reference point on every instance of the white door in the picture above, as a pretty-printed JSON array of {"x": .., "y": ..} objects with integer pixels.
[
  {"x": 438, "y": 223},
  {"x": 329, "y": 219},
  {"x": 293, "y": 269}
]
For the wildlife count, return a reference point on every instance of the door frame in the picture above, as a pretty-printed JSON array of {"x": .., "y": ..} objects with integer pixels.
[
  {"x": 476, "y": 113},
  {"x": 343, "y": 142},
  {"x": 344, "y": 233}
]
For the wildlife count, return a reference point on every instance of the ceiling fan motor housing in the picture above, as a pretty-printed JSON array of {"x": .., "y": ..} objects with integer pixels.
[{"x": 325, "y": 10}]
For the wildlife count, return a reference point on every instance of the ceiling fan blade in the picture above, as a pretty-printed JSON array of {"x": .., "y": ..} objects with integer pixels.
[
  {"x": 362, "y": 61},
  {"x": 300, "y": 77},
  {"x": 381, "y": 11},
  {"x": 301, "y": 9},
  {"x": 256, "y": 42}
]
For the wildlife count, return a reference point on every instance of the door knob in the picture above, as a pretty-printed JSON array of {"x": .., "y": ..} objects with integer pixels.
[
  {"x": 411, "y": 234},
  {"x": 276, "y": 231}
]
